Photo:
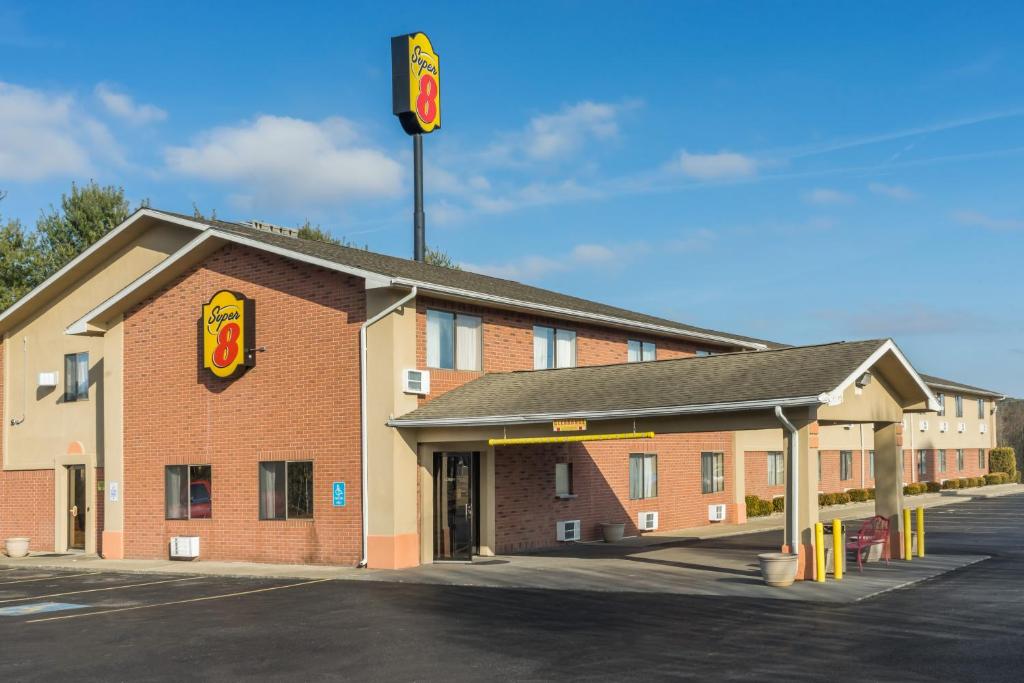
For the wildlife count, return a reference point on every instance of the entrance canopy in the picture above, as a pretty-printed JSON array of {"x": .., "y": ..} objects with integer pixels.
[{"x": 823, "y": 376}]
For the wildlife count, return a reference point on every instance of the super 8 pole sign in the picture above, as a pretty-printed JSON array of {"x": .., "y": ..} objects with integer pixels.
[
  {"x": 415, "y": 83},
  {"x": 229, "y": 334}
]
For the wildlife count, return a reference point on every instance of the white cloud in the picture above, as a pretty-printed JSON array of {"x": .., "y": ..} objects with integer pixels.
[
  {"x": 124, "y": 107},
  {"x": 981, "y": 220},
  {"x": 44, "y": 135},
  {"x": 892, "y": 191},
  {"x": 290, "y": 161},
  {"x": 720, "y": 166},
  {"x": 827, "y": 197},
  {"x": 698, "y": 240},
  {"x": 536, "y": 267}
]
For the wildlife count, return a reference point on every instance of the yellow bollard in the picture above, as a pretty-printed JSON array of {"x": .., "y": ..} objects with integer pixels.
[
  {"x": 908, "y": 536},
  {"x": 819, "y": 552},
  {"x": 838, "y": 550},
  {"x": 920, "y": 532}
]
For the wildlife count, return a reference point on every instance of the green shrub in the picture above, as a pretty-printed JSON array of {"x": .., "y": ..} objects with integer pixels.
[
  {"x": 933, "y": 486},
  {"x": 1003, "y": 460},
  {"x": 996, "y": 478},
  {"x": 871, "y": 494},
  {"x": 842, "y": 498},
  {"x": 978, "y": 481},
  {"x": 753, "y": 509},
  {"x": 951, "y": 484},
  {"x": 914, "y": 489},
  {"x": 779, "y": 504},
  {"x": 966, "y": 482},
  {"x": 858, "y": 495}
]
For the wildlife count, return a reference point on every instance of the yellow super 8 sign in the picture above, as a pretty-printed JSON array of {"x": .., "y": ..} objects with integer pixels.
[
  {"x": 416, "y": 83},
  {"x": 228, "y": 329}
]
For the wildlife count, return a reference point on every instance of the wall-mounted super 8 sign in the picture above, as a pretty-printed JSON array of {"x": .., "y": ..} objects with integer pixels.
[
  {"x": 415, "y": 83},
  {"x": 229, "y": 334}
]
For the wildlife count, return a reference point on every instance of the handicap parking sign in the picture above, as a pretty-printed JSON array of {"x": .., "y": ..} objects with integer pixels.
[{"x": 339, "y": 494}]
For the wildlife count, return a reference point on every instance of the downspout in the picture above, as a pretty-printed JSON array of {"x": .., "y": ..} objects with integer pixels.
[
  {"x": 791, "y": 481},
  {"x": 863, "y": 455},
  {"x": 362, "y": 411}
]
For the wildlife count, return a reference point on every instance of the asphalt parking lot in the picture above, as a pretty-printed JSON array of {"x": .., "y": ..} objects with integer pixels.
[{"x": 963, "y": 625}]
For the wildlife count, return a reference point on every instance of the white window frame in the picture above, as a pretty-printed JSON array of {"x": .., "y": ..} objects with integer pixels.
[
  {"x": 846, "y": 465},
  {"x": 941, "y": 398},
  {"x": 638, "y": 351},
  {"x": 776, "y": 468},
  {"x": 435, "y": 363},
  {"x": 646, "y": 486},
  {"x": 551, "y": 337},
  {"x": 565, "y": 490},
  {"x": 715, "y": 483},
  {"x": 958, "y": 401}
]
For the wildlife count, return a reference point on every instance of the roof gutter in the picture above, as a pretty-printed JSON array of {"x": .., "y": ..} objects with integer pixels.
[
  {"x": 664, "y": 411},
  {"x": 966, "y": 390},
  {"x": 363, "y": 441}
]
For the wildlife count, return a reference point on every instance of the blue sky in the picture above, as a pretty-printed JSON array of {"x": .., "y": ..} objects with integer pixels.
[{"x": 804, "y": 172}]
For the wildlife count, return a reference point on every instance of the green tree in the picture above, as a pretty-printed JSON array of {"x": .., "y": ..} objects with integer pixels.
[
  {"x": 21, "y": 267},
  {"x": 437, "y": 257},
  {"x": 308, "y": 231},
  {"x": 86, "y": 215}
]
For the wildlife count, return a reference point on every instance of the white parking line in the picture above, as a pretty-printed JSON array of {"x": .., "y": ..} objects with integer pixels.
[
  {"x": 47, "y": 578},
  {"x": 94, "y": 590},
  {"x": 178, "y": 602}
]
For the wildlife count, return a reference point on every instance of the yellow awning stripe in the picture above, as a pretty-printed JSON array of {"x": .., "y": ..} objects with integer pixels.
[{"x": 570, "y": 439}]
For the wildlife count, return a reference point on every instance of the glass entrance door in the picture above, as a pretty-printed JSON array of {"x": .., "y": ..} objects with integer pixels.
[
  {"x": 456, "y": 490},
  {"x": 76, "y": 507}
]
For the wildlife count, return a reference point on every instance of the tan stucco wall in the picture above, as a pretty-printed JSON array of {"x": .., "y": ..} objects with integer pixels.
[
  {"x": 39, "y": 345},
  {"x": 971, "y": 437}
]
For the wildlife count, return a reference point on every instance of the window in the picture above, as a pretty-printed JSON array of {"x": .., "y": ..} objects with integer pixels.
[
  {"x": 637, "y": 351},
  {"x": 922, "y": 464},
  {"x": 959, "y": 402},
  {"x": 643, "y": 475},
  {"x": 712, "y": 472},
  {"x": 776, "y": 469},
  {"x": 942, "y": 459},
  {"x": 563, "y": 478},
  {"x": 188, "y": 492},
  {"x": 76, "y": 377},
  {"x": 286, "y": 490},
  {"x": 819, "y": 466},
  {"x": 845, "y": 465},
  {"x": 941, "y": 398},
  {"x": 960, "y": 458},
  {"x": 553, "y": 348},
  {"x": 981, "y": 458},
  {"x": 981, "y": 409},
  {"x": 453, "y": 341},
  {"x": 703, "y": 353},
  {"x": 871, "y": 464}
]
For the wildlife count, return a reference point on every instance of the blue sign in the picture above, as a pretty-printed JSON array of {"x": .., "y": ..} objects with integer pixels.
[
  {"x": 339, "y": 494},
  {"x": 37, "y": 608}
]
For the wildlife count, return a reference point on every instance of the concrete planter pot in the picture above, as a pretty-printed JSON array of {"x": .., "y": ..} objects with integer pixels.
[
  {"x": 778, "y": 569},
  {"x": 612, "y": 532},
  {"x": 16, "y": 547}
]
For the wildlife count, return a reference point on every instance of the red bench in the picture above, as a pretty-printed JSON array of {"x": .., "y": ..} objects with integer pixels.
[{"x": 874, "y": 531}]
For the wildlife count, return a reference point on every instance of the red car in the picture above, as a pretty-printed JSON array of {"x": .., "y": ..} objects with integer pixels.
[{"x": 199, "y": 500}]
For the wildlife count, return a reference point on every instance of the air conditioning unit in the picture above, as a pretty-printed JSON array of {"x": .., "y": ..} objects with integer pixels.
[
  {"x": 416, "y": 382},
  {"x": 647, "y": 521},
  {"x": 716, "y": 513},
  {"x": 943, "y": 426},
  {"x": 568, "y": 530},
  {"x": 923, "y": 424},
  {"x": 983, "y": 427},
  {"x": 48, "y": 379},
  {"x": 960, "y": 427},
  {"x": 185, "y": 547}
]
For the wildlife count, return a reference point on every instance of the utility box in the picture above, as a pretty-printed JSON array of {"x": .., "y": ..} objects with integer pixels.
[{"x": 184, "y": 547}]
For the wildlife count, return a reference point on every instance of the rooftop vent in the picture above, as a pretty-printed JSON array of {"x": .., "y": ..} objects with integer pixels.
[{"x": 270, "y": 227}]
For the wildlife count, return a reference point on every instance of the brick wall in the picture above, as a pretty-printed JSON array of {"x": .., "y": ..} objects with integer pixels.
[
  {"x": 527, "y": 509},
  {"x": 300, "y": 402},
  {"x": 970, "y": 469},
  {"x": 26, "y": 506},
  {"x": 755, "y": 465},
  {"x": 508, "y": 343}
]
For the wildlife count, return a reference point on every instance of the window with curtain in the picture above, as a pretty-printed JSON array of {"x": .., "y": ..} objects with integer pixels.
[
  {"x": 643, "y": 475},
  {"x": 981, "y": 458},
  {"x": 941, "y": 398},
  {"x": 188, "y": 492},
  {"x": 871, "y": 464},
  {"x": 286, "y": 490},
  {"x": 922, "y": 464},
  {"x": 845, "y": 465},
  {"x": 553, "y": 348},
  {"x": 563, "y": 479},
  {"x": 959, "y": 403},
  {"x": 454, "y": 340},
  {"x": 776, "y": 468},
  {"x": 981, "y": 409},
  {"x": 712, "y": 472},
  {"x": 942, "y": 460},
  {"x": 76, "y": 377},
  {"x": 959, "y": 459},
  {"x": 640, "y": 351}
]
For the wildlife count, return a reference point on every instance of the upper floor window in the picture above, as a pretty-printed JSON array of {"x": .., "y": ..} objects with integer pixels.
[
  {"x": 553, "y": 348},
  {"x": 941, "y": 398},
  {"x": 981, "y": 409},
  {"x": 76, "y": 377},
  {"x": 453, "y": 340},
  {"x": 959, "y": 402},
  {"x": 703, "y": 353},
  {"x": 638, "y": 351}
]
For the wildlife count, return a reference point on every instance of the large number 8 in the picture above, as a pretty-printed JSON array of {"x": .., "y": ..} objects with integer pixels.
[
  {"x": 426, "y": 103},
  {"x": 227, "y": 345}
]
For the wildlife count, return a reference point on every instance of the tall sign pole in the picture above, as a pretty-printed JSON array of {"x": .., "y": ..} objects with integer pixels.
[{"x": 416, "y": 101}]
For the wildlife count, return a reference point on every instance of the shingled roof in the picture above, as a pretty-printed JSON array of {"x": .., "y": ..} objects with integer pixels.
[
  {"x": 940, "y": 383},
  {"x": 733, "y": 381}
]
